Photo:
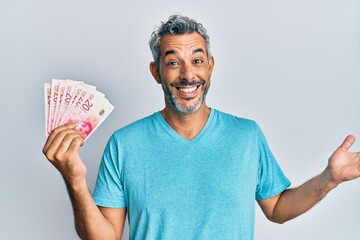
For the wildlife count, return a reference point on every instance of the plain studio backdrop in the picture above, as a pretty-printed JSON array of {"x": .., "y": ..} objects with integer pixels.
[{"x": 293, "y": 66}]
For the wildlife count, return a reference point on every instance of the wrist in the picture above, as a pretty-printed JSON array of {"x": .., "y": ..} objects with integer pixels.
[
  {"x": 78, "y": 185},
  {"x": 328, "y": 179}
]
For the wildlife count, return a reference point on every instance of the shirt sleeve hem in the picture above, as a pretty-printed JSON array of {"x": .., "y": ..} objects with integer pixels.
[
  {"x": 275, "y": 192},
  {"x": 109, "y": 203}
]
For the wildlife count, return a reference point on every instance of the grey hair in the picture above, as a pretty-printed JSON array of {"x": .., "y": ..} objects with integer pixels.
[{"x": 176, "y": 25}]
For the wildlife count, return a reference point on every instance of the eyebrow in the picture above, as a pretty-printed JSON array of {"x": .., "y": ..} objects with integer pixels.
[
  {"x": 169, "y": 52},
  {"x": 174, "y": 52},
  {"x": 198, "y": 50}
]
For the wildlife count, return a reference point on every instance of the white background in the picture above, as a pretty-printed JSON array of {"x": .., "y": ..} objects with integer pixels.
[{"x": 293, "y": 66}]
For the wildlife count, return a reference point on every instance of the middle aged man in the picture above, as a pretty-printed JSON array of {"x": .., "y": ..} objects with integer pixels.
[{"x": 188, "y": 171}]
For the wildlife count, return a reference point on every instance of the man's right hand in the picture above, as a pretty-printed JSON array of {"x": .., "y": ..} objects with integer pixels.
[{"x": 62, "y": 150}]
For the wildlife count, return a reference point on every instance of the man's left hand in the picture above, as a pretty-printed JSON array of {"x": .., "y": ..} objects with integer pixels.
[{"x": 344, "y": 165}]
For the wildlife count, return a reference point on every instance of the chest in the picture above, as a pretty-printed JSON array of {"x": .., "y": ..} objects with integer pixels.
[{"x": 170, "y": 176}]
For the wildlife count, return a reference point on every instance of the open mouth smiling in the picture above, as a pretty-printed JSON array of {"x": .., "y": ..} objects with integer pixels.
[{"x": 188, "y": 88}]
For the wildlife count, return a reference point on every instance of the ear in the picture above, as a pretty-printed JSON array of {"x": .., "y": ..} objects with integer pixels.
[
  {"x": 211, "y": 63},
  {"x": 155, "y": 72}
]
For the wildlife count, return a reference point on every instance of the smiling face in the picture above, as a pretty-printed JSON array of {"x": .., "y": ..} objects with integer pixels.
[{"x": 184, "y": 71}]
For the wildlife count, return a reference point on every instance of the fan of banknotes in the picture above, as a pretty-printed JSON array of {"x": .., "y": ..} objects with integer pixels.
[{"x": 69, "y": 101}]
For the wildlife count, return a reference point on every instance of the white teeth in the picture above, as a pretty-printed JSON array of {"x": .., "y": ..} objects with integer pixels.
[{"x": 187, "y": 90}]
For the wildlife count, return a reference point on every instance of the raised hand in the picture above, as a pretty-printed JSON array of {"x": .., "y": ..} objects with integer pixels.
[
  {"x": 62, "y": 150},
  {"x": 344, "y": 165}
]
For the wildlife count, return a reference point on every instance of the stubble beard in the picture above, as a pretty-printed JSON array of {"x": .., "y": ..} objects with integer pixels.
[{"x": 184, "y": 109}]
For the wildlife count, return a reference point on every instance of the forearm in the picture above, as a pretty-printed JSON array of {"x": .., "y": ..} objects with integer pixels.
[
  {"x": 296, "y": 201},
  {"x": 89, "y": 221},
  {"x": 342, "y": 166},
  {"x": 62, "y": 150}
]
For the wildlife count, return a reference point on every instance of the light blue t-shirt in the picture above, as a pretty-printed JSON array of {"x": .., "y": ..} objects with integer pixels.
[{"x": 174, "y": 188}]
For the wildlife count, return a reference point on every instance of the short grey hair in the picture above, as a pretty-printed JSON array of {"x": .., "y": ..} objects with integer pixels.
[{"x": 176, "y": 25}]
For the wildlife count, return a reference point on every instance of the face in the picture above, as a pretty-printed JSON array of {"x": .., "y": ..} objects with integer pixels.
[
  {"x": 184, "y": 71},
  {"x": 84, "y": 127}
]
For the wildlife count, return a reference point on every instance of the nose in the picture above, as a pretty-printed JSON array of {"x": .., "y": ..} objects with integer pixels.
[{"x": 187, "y": 72}]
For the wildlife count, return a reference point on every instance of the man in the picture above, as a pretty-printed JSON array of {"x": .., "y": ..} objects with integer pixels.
[{"x": 188, "y": 171}]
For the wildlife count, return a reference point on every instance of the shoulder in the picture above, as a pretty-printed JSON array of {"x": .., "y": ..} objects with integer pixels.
[
  {"x": 135, "y": 128},
  {"x": 242, "y": 133},
  {"x": 235, "y": 122}
]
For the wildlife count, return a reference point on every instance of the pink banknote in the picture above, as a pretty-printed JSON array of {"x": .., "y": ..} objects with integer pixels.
[{"x": 69, "y": 101}]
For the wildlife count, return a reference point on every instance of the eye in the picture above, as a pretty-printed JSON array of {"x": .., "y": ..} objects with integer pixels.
[
  {"x": 172, "y": 64},
  {"x": 198, "y": 61}
]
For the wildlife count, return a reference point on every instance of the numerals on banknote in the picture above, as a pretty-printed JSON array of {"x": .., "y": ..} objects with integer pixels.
[{"x": 69, "y": 101}]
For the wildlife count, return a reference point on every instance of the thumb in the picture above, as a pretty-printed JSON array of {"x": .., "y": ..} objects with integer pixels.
[{"x": 348, "y": 142}]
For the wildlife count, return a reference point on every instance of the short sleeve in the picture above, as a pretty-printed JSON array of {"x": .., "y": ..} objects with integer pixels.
[
  {"x": 271, "y": 179},
  {"x": 109, "y": 190}
]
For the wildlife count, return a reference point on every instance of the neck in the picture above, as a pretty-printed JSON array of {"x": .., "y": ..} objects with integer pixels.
[{"x": 188, "y": 125}]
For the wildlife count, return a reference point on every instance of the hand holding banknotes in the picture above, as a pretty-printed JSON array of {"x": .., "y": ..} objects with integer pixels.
[
  {"x": 73, "y": 111},
  {"x": 62, "y": 150}
]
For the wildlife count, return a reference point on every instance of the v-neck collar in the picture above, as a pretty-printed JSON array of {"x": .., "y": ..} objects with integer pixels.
[{"x": 166, "y": 127}]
